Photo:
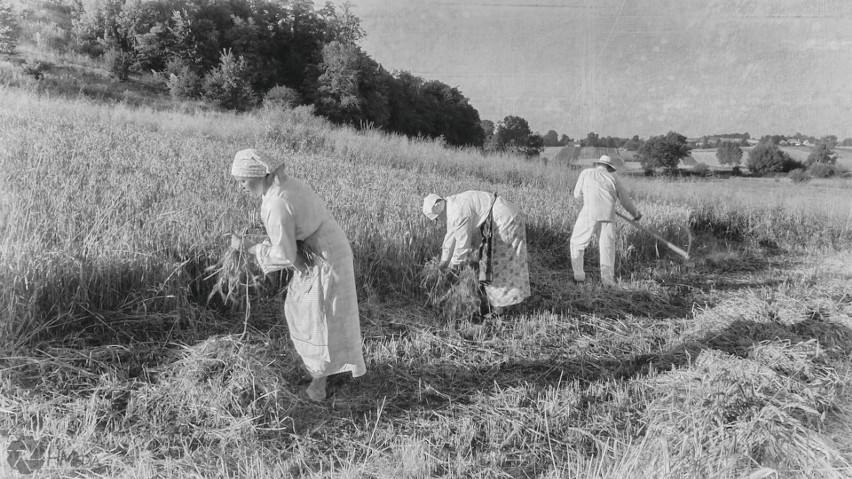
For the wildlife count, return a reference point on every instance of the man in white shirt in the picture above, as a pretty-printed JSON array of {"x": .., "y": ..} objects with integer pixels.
[{"x": 599, "y": 188}]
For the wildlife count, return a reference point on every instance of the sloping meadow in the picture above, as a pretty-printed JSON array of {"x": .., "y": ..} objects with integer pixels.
[
  {"x": 115, "y": 208},
  {"x": 116, "y": 364}
]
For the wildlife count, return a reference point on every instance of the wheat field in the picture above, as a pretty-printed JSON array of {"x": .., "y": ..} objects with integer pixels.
[{"x": 114, "y": 364}]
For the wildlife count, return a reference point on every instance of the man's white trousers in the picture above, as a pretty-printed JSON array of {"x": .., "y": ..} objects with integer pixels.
[{"x": 584, "y": 230}]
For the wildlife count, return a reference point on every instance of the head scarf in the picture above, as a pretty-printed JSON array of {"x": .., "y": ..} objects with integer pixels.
[
  {"x": 248, "y": 164},
  {"x": 433, "y": 205}
]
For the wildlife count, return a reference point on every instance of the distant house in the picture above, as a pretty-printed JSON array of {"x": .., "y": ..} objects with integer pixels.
[
  {"x": 784, "y": 143},
  {"x": 807, "y": 143}
]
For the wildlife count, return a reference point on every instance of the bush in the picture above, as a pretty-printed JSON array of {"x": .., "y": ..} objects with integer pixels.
[
  {"x": 798, "y": 175},
  {"x": 766, "y": 158},
  {"x": 35, "y": 69},
  {"x": 118, "y": 63},
  {"x": 822, "y": 154},
  {"x": 820, "y": 170},
  {"x": 736, "y": 171},
  {"x": 701, "y": 169},
  {"x": 227, "y": 86},
  {"x": 282, "y": 97},
  {"x": 183, "y": 82}
]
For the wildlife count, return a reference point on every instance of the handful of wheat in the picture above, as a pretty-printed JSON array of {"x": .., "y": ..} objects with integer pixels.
[
  {"x": 234, "y": 277},
  {"x": 455, "y": 294}
]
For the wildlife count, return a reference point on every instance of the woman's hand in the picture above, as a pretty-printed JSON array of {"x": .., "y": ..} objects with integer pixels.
[{"x": 241, "y": 243}]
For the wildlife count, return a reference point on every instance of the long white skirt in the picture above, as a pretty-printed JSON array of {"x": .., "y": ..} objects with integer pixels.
[{"x": 321, "y": 308}]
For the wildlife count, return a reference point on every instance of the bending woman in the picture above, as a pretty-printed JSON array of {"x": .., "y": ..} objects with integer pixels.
[
  {"x": 502, "y": 256},
  {"x": 321, "y": 306}
]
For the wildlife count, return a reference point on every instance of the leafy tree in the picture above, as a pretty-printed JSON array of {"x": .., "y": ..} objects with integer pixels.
[
  {"x": 847, "y": 142},
  {"x": 551, "y": 138},
  {"x": 119, "y": 64},
  {"x": 514, "y": 134},
  {"x": 227, "y": 86},
  {"x": 184, "y": 83},
  {"x": 350, "y": 89},
  {"x": 823, "y": 153},
  {"x": 451, "y": 115},
  {"x": 729, "y": 153},
  {"x": 534, "y": 146},
  {"x": 487, "y": 128},
  {"x": 830, "y": 140},
  {"x": 663, "y": 151},
  {"x": 565, "y": 140},
  {"x": 591, "y": 139},
  {"x": 434, "y": 109},
  {"x": 767, "y": 158},
  {"x": 9, "y": 29},
  {"x": 633, "y": 144}
]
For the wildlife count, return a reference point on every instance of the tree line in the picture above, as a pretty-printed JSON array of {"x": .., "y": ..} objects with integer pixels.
[{"x": 240, "y": 53}]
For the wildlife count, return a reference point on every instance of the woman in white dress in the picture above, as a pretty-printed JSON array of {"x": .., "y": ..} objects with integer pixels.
[{"x": 321, "y": 306}]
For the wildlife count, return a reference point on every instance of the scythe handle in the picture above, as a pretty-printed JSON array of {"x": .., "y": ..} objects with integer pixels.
[{"x": 656, "y": 234}]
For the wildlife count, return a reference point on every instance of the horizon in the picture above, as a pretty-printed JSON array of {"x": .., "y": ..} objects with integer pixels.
[{"x": 698, "y": 68}]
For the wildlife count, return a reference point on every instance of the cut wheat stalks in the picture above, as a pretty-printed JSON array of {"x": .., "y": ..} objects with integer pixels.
[
  {"x": 455, "y": 294},
  {"x": 234, "y": 278}
]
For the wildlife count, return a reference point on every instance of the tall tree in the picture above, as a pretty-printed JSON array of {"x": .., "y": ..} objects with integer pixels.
[
  {"x": 729, "y": 153},
  {"x": 551, "y": 138},
  {"x": 663, "y": 151},
  {"x": 514, "y": 134},
  {"x": 350, "y": 88}
]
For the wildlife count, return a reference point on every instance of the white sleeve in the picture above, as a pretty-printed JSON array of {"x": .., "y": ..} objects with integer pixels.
[
  {"x": 456, "y": 248},
  {"x": 624, "y": 197},
  {"x": 578, "y": 188},
  {"x": 281, "y": 250}
]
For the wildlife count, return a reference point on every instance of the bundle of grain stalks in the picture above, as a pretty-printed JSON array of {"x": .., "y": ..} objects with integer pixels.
[
  {"x": 236, "y": 272},
  {"x": 234, "y": 277},
  {"x": 455, "y": 294},
  {"x": 727, "y": 415}
]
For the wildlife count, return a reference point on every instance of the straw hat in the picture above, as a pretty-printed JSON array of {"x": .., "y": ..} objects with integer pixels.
[
  {"x": 433, "y": 205},
  {"x": 606, "y": 160},
  {"x": 249, "y": 164}
]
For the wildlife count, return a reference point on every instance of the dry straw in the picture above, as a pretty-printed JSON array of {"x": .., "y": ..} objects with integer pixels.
[{"x": 454, "y": 294}]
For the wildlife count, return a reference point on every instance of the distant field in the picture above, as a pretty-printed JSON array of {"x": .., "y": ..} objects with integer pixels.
[
  {"x": 798, "y": 153},
  {"x": 844, "y": 157}
]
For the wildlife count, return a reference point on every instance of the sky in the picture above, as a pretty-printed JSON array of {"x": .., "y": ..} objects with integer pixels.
[{"x": 630, "y": 67}]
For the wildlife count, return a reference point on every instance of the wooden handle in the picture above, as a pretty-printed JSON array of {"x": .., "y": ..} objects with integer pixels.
[{"x": 656, "y": 234}]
